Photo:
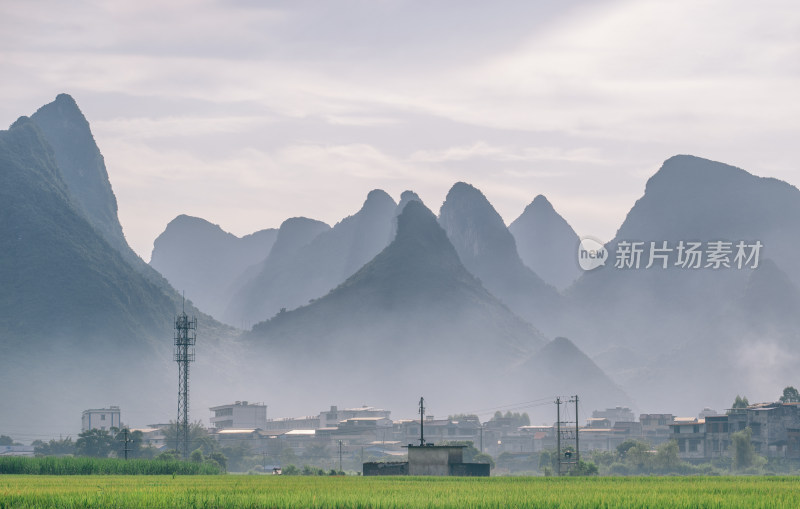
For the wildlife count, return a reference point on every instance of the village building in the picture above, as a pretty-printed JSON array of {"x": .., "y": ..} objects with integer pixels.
[
  {"x": 430, "y": 460},
  {"x": 689, "y": 433},
  {"x": 240, "y": 414},
  {"x": 100, "y": 418}
]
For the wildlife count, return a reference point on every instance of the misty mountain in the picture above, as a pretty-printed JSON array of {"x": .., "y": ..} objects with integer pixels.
[
  {"x": 412, "y": 308},
  {"x": 203, "y": 260},
  {"x": 291, "y": 277},
  {"x": 58, "y": 275},
  {"x": 488, "y": 250},
  {"x": 559, "y": 367},
  {"x": 247, "y": 292},
  {"x": 79, "y": 311},
  {"x": 688, "y": 199},
  {"x": 547, "y": 243},
  {"x": 751, "y": 346},
  {"x": 81, "y": 165},
  {"x": 690, "y": 325},
  {"x": 70, "y": 304},
  {"x": 416, "y": 283},
  {"x": 415, "y": 320}
]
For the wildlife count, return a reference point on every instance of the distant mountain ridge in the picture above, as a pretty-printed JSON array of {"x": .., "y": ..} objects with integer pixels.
[
  {"x": 391, "y": 300},
  {"x": 291, "y": 278},
  {"x": 56, "y": 269},
  {"x": 202, "y": 259},
  {"x": 679, "y": 323},
  {"x": 413, "y": 311},
  {"x": 547, "y": 243},
  {"x": 81, "y": 165},
  {"x": 488, "y": 250},
  {"x": 82, "y": 318},
  {"x": 419, "y": 270}
]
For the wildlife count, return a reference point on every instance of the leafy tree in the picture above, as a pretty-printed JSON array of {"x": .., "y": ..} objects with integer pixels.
[
  {"x": 61, "y": 447},
  {"x": 311, "y": 470},
  {"x": 6, "y": 440},
  {"x": 548, "y": 459},
  {"x": 135, "y": 439},
  {"x": 790, "y": 395},
  {"x": 219, "y": 459},
  {"x": 639, "y": 458},
  {"x": 290, "y": 470},
  {"x": 96, "y": 443},
  {"x": 516, "y": 419},
  {"x": 740, "y": 403},
  {"x": 666, "y": 458},
  {"x": 196, "y": 456},
  {"x": 624, "y": 447},
  {"x": 236, "y": 455},
  {"x": 584, "y": 468},
  {"x": 744, "y": 454},
  {"x": 170, "y": 455},
  {"x": 198, "y": 437},
  {"x": 604, "y": 458},
  {"x": 464, "y": 417},
  {"x": 618, "y": 468}
]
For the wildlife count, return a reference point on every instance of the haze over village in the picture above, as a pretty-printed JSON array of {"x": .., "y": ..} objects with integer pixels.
[{"x": 342, "y": 227}]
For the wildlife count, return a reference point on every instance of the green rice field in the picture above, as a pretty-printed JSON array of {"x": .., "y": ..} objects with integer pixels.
[{"x": 229, "y": 491}]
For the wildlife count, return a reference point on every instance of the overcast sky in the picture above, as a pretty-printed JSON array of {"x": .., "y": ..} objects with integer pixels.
[{"x": 246, "y": 113}]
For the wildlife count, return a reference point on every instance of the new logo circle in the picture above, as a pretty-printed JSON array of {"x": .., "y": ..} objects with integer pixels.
[{"x": 591, "y": 253}]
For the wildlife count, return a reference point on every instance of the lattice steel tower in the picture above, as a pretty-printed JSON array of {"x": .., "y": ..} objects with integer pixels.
[{"x": 185, "y": 337}]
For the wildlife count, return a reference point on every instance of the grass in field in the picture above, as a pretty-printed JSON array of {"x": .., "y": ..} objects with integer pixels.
[
  {"x": 21, "y": 492},
  {"x": 102, "y": 466}
]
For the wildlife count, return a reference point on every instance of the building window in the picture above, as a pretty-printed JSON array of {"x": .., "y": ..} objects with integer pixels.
[
  {"x": 677, "y": 429},
  {"x": 102, "y": 417}
]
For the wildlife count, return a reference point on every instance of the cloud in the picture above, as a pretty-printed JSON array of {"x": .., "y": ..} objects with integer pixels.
[
  {"x": 483, "y": 150},
  {"x": 569, "y": 98},
  {"x": 170, "y": 126}
]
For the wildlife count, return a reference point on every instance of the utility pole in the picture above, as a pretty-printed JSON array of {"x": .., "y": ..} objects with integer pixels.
[
  {"x": 577, "y": 431},
  {"x": 481, "y": 438},
  {"x": 421, "y": 421},
  {"x": 126, "y": 441},
  {"x": 558, "y": 433},
  {"x": 340, "y": 456}
]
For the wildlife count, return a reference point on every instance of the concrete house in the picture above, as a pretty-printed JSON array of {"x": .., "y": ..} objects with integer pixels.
[
  {"x": 431, "y": 460},
  {"x": 100, "y": 418},
  {"x": 240, "y": 414}
]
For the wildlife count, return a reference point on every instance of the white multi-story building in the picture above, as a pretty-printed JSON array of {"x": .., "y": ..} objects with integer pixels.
[
  {"x": 101, "y": 418},
  {"x": 334, "y": 416},
  {"x": 240, "y": 415}
]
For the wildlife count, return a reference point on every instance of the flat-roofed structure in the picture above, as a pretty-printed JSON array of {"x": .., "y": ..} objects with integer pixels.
[
  {"x": 431, "y": 460},
  {"x": 240, "y": 414}
]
